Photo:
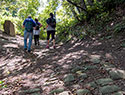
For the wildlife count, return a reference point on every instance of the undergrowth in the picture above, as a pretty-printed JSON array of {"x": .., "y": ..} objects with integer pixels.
[{"x": 106, "y": 24}]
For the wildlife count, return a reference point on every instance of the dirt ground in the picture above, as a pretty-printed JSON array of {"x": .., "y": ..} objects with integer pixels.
[{"x": 45, "y": 69}]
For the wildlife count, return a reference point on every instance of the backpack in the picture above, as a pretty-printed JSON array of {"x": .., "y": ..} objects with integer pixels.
[
  {"x": 29, "y": 26},
  {"x": 51, "y": 22}
]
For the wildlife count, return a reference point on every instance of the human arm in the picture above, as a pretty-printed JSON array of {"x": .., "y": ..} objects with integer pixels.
[
  {"x": 45, "y": 27},
  {"x": 24, "y": 24},
  {"x": 40, "y": 25},
  {"x": 34, "y": 23}
]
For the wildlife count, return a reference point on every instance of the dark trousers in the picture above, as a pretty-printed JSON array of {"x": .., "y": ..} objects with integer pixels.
[
  {"x": 36, "y": 39},
  {"x": 52, "y": 34}
]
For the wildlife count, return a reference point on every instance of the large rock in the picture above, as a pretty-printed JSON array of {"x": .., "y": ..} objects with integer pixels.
[
  {"x": 82, "y": 92},
  {"x": 109, "y": 89},
  {"x": 69, "y": 78},
  {"x": 117, "y": 74},
  {"x": 57, "y": 91},
  {"x": 104, "y": 81},
  {"x": 9, "y": 28}
]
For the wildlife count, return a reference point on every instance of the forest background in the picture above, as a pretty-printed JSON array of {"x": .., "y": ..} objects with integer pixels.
[{"x": 75, "y": 18}]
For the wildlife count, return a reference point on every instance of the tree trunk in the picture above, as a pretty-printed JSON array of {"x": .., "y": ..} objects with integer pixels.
[
  {"x": 78, "y": 10},
  {"x": 83, "y": 4},
  {"x": 75, "y": 15}
]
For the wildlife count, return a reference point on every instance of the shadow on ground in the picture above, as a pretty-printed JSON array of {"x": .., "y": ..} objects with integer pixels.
[{"x": 43, "y": 69}]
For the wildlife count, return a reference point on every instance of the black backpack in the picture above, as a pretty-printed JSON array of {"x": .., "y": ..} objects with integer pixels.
[{"x": 51, "y": 22}]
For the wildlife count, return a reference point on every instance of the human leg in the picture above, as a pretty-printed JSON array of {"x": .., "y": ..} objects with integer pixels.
[
  {"x": 38, "y": 39},
  {"x": 48, "y": 36},
  {"x": 53, "y": 38},
  {"x": 25, "y": 39},
  {"x": 35, "y": 39},
  {"x": 30, "y": 40}
]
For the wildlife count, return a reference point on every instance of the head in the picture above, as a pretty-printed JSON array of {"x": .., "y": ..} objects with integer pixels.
[
  {"x": 51, "y": 15},
  {"x": 36, "y": 19},
  {"x": 29, "y": 16}
]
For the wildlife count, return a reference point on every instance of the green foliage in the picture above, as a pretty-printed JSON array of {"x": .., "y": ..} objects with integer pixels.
[
  {"x": 68, "y": 16},
  {"x": 119, "y": 27},
  {"x": 110, "y": 3},
  {"x": 16, "y": 13},
  {"x": 2, "y": 85},
  {"x": 123, "y": 44},
  {"x": 90, "y": 31}
]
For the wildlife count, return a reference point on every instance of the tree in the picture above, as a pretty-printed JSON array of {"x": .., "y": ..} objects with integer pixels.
[{"x": 83, "y": 7}]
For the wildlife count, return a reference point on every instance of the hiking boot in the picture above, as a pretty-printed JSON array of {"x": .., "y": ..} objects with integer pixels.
[
  {"x": 47, "y": 46},
  {"x": 29, "y": 51},
  {"x": 54, "y": 47},
  {"x": 25, "y": 49},
  {"x": 38, "y": 44}
]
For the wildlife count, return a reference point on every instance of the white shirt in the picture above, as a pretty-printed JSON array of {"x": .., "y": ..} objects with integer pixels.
[
  {"x": 36, "y": 32},
  {"x": 50, "y": 28}
]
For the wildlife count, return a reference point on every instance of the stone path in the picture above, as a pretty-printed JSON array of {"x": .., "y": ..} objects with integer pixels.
[{"x": 69, "y": 69}]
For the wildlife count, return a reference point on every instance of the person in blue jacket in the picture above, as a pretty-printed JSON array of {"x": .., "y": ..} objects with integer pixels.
[{"x": 29, "y": 24}]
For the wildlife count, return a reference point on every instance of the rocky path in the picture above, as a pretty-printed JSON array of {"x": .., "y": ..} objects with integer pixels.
[{"x": 75, "y": 68}]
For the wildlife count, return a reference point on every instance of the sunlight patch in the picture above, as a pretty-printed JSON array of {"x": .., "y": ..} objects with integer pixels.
[{"x": 11, "y": 45}]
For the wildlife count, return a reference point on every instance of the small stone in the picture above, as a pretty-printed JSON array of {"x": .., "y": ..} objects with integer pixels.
[
  {"x": 36, "y": 94},
  {"x": 109, "y": 89},
  {"x": 83, "y": 76},
  {"x": 82, "y": 92},
  {"x": 76, "y": 86},
  {"x": 30, "y": 91},
  {"x": 65, "y": 93},
  {"x": 105, "y": 81},
  {"x": 69, "y": 78},
  {"x": 75, "y": 69},
  {"x": 57, "y": 91},
  {"x": 117, "y": 74},
  {"x": 90, "y": 67},
  {"x": 118, "y": 93},
  {"x": 95, "y": 60},
  {"x": 79, "y": 72},
  {"x": 108, "y": 66},
  {"x": 91, "y": 85}
]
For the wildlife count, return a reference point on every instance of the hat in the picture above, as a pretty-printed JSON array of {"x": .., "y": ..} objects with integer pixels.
[{"x": 29, "y": 16}]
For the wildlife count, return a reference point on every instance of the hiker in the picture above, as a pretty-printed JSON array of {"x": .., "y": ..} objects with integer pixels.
[
  {"x": 28, "y": 24},
  {"x": 51, "y": 29},
  {"x": 36, "y": 32}
]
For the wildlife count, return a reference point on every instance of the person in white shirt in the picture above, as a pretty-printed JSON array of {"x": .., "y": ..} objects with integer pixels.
[{"x": 36, "y": 32}]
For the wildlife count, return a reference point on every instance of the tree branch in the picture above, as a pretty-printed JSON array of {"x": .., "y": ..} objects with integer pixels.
[{"x": 76, "y": 5}]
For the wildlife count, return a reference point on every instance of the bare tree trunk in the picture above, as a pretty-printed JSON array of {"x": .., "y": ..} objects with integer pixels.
[
  {"x": 78, "y": 10},
  {"x": 75, "y": 4},
  {"x": 75, "y": 15}
]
